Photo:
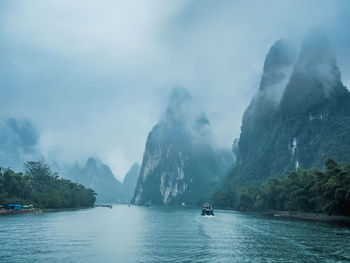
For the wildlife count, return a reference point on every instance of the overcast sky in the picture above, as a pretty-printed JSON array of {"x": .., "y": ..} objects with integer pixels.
[{"x": 94, "y": 76}]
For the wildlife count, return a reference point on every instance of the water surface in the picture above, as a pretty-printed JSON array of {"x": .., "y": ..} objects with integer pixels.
[{"x": 164, "y": 234}]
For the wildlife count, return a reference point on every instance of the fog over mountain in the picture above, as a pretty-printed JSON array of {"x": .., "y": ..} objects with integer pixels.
[
  {"x": 91, "y": 78},
  {"x": 306, "y": 124},
  {"x": 181, "y": 164},
  {"x": 18, "y": 143},
  {"x": 98, "y": 176}
]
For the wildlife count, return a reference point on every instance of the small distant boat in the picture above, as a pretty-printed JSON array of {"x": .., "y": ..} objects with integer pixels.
[{"x": 207, "y": 210}]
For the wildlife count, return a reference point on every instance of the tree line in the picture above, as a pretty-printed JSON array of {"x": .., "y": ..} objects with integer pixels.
[
  {"x": 43, "y": 188},
  {"x": 312, "y": 190}
]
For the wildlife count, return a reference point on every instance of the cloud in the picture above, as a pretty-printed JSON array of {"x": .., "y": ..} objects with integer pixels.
[
  {"x": 86, "y": 30},
  {"x": 94, "y": 76}
]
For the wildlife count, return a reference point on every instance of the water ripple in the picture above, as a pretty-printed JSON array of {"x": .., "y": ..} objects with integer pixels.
[{"x": 138, "y": 234}]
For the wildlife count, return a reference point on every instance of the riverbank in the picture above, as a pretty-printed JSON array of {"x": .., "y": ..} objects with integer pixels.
[
  {"x": 23, "y": 211},
  {"x": 39, "y": 210},
  {"x": 311, "y": 216},
  {"x": 298, "y": 215},
  {"x": 51, "y": 210}
]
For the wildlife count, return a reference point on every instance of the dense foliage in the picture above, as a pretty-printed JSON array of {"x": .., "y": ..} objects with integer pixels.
[
  {"x": 311, "y": 190},
  {"x": 43, "y": 188}
]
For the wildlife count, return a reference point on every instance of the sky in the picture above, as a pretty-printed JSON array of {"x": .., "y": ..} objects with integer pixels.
[{"x": 93, "y": 77}]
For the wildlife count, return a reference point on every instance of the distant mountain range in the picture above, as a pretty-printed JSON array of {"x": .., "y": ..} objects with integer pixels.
[
  {"x": 99, "y": 177},
  {"x": 19, "y": 139},
  {"x": 299, "y": 117}
]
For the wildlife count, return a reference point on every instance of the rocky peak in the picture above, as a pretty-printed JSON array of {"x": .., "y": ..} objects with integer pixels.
[
  {"x": 182, "y": 115},
  {"x": 278, "y": 67},
  {"x": 278, "y": 62},
  {"x": 132, "y": 174},
  {"x": 262, "y": 109},
  {"x": 316, "y": 76},
  {"x": 91, "y": 164},
  {"x": 315, "y": 50},
  {"x": 178, "y": 103},
  {"x": 105, "y": 172},
  {"x": 130, "y": 179},
  {"x": 178, "y": 161},
  {"x": 306, "y": 126}
]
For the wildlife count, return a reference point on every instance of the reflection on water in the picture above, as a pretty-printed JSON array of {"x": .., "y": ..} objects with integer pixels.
[{"x": 163, "y": 234}]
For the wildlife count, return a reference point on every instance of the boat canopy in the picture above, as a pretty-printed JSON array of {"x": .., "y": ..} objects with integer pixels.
[
  {"x": 207, "y": 206},
  {"x": 14, "y": 206}
]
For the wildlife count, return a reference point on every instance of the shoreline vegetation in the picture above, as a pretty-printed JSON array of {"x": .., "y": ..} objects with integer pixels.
[
  {"x": 304, "y": 194},
  {"x": 41, "y": 188},
  {"x": 305, "y": 191}
]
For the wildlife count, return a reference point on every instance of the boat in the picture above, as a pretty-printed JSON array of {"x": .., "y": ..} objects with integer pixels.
[{"x": 207, "y": 210}]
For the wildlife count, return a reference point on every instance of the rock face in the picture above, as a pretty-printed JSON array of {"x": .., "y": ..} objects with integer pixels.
[
  {"x": 179, "y": 164},
  {"x": 299, "y": 117},
  {"x": 130, "y": 180}
]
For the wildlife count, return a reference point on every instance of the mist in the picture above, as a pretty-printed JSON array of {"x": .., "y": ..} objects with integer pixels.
[
  {"x": 18, "y": 140},
  {"x": 93, "y": 78}
]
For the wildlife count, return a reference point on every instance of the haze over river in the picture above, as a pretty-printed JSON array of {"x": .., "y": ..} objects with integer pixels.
[{"x": 168, "y": 234}]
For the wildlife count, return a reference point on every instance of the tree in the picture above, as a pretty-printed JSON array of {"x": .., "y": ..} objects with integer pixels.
[
  {"x": 38, "y": 171},
  {"x": 43, "y": 188}
]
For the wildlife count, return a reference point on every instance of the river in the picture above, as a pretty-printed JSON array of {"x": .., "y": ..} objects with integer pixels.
[{"x": 168, "y": 234}]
